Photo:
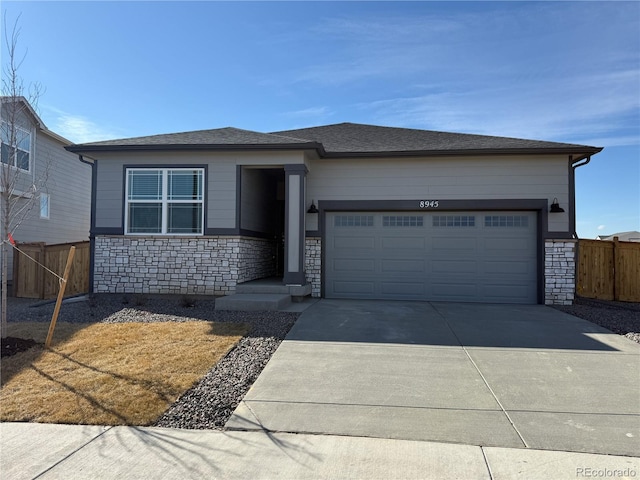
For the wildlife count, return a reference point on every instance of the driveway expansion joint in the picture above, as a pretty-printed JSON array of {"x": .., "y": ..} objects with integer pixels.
[
  {"x": 513, "y": 425},
  {"x": 105, "y": 429}
]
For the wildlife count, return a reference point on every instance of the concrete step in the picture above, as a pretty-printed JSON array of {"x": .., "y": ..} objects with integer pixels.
[
  {"x": 252, "y": 302},
  {"x": 270, "y": 286},
  {"x": 256, "y": 287}
]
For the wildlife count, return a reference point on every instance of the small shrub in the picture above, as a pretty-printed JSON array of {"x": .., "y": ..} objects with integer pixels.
[
  {"x": 92, "y": 301},
  {"x": 141, "y": 300},
  {"x": 187, "y": 301}
]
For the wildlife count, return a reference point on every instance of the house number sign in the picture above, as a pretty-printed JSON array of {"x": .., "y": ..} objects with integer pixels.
[{"x": 429, "y": 203}]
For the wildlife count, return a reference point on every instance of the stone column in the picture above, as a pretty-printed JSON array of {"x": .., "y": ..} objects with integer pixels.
[
  {"x": 294, "y": 246},
  {"x": 559, "y": 271}
]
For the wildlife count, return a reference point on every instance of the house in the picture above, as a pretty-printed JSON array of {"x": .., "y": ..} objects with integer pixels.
[
  {"x": 632, "y": 236},
  {"x": 45, "y": 176},
  {"x": 351, "y": 210}
]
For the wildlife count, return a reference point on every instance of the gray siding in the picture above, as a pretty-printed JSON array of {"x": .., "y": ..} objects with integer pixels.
[
  {"x": 221, "y": 180},
  {"x": 450, "y": 178}
]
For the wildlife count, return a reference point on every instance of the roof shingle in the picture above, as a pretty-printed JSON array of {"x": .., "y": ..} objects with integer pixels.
[
  {"x": 343, "y": 139},
  {"x": 352, "y": 138},
  {"x": 228, "y": 136}
]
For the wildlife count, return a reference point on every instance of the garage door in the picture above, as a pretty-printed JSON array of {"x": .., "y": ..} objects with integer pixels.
[{"x": 487, "y": 257}]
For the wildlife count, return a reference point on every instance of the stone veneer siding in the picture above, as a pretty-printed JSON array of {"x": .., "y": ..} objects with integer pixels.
[
  {"x": 559, "y": 272},
  {"x": 184, "y": 265},
  {"x": 313, "y": 264}
]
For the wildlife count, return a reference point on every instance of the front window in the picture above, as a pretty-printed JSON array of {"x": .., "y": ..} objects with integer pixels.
[
  {"x": 167, "y": 201},
  {"x": 16, "y": 146}
]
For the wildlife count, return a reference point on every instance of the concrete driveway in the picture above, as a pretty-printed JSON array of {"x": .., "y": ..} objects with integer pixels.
[{"x": 490, "y": 375}]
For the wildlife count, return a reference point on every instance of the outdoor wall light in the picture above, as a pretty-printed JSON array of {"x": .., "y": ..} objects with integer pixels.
[
  {"x": 312, "y": 208},
  {"x": 555, "y": 207}
]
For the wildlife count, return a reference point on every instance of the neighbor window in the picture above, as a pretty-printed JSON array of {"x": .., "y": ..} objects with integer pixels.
[
  {"x": 45, "y": 200},
  {"x": 16, "y": 146},
  {"x": 166, "y": 201}
]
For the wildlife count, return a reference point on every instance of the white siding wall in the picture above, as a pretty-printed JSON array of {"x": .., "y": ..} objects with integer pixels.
[{"x": 450, "y": 178}]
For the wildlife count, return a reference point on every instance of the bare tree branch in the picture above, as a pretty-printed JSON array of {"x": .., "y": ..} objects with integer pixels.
[{"x": 19, "y": 186}]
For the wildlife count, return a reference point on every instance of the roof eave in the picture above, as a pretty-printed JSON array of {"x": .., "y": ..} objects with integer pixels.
[
  {"x": 468, "y": 152},
  {"x": 578, "y": 150},
  {"x": 193, "y": 147},
  {"x": 57, "y": 137}
]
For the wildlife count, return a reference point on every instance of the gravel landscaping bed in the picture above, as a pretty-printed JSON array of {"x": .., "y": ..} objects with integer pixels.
[
  {"x": 209, "y": 403},
  {"x": 622, "y": 318}
]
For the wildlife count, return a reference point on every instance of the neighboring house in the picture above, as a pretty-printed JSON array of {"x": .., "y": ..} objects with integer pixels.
[
  {"x": 401, "y": 213},
  {"x": 61, "y": 209},
  {"x": 632, "y": 236}
]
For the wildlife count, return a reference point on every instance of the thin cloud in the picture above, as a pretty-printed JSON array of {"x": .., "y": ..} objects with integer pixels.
[
  {"x": 516, "y": 82},
  {"x": 309, "y": 112},
  {"x": 572, "y": 109},
  {"x": 76, "y": 128},
  {"x": 601, "y": 227}
]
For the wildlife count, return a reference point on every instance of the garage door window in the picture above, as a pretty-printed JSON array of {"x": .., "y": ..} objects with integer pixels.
[
  {"x": 402, "y": 221},
  {"x": 454, "y": 221},
  {"x": 506, "y": 221},
  {"x": 353, "y": 221}
]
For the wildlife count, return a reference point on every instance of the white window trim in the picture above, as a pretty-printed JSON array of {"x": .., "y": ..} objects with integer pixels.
[
  {"x": 164, "y": 201},
  {"x": 30, "y": 133}
]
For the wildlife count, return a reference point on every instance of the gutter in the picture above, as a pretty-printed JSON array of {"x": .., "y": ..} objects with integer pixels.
[
  {"x": 92, "y": 224},
  {"x": 580, "y": 162},
  {"x": 79, "y": 149}
]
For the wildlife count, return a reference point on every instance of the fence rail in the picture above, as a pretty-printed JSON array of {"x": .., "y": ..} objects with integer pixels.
[
  {"x": 30, "y": 280},
  {"x": 609, "y": 270}
]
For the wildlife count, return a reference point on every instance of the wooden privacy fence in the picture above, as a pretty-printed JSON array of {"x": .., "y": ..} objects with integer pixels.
[
  {"x": 30, "y": 280},
  {"x": 609, "y": 270}
]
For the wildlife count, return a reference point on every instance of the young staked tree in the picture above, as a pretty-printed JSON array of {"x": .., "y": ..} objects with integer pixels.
[{"x": 20, "y": 183}]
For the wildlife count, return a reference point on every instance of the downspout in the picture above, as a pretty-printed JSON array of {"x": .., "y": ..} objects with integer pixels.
[
  {"x": 92, "y": 238},
  {"x": 572, "y": 189}
]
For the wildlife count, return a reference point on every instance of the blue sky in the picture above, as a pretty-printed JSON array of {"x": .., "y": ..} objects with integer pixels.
[{"x": 559, "y": 71}]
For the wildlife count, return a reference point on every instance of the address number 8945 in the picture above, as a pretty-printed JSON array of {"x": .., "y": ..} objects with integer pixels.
[{"x": 429, "y": 203}]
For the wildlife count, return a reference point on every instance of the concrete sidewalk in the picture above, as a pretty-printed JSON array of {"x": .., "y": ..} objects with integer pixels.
[
  {"x": 44, "y": 451},
  {"x": 514, "y": 376}
]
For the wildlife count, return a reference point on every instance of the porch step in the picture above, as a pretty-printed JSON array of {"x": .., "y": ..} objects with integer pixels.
[
  {"x": 273, "y": 286},
  {"x": 251, "y": 302}
]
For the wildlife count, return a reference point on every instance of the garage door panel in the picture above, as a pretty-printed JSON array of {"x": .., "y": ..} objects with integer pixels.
[
  {"x": 354, "y": 265},
  {"x": 354, "y": 242},
  {"x": 395, "y": 243},
  {"x": 399, "y": 289},
  {"x": 443, "y": 267},
  {"x": 402, "y": 266},
  {"x": 454, "y": 291},
  {"x": 507, "y": 245},
  {"x": 353, "y": 288},
  {"x": 454, "y": 244},
  {"x": 446, "y": 256},
  {"x": 507, "y": 267}
]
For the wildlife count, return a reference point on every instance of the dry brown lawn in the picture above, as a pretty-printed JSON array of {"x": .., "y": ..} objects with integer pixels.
[{"x": 109, "y": 374}]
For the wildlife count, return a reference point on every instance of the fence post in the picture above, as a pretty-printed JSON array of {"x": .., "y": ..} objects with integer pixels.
[{"x": 617, "y": 269}]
